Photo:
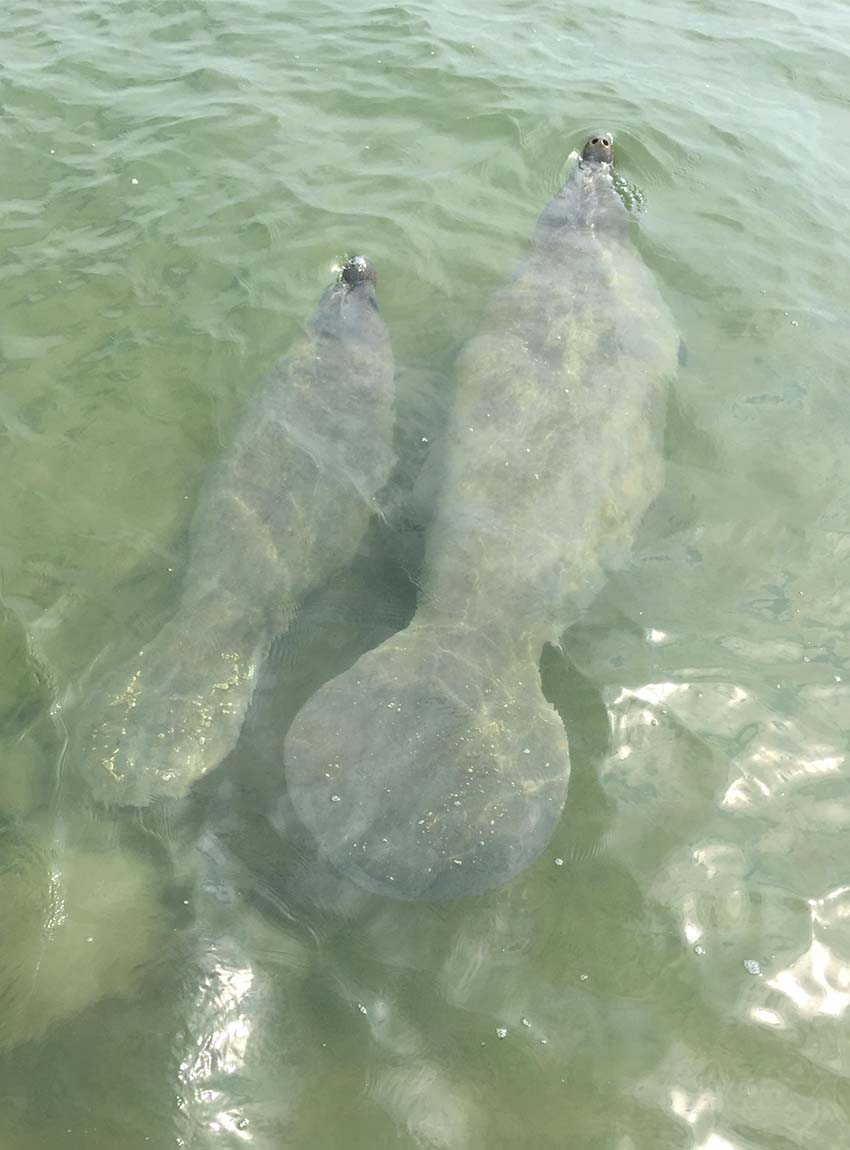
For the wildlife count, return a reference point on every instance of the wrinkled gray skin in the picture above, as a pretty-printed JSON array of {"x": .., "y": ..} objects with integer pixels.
[
  {"x": 435, "y": 767},
  {"x": 286, "y": 506}
]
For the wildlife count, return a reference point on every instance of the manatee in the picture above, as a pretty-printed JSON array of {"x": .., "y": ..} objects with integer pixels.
[
  {"x": 285, "y": 506},
  {"x": 435, "y": 767}
]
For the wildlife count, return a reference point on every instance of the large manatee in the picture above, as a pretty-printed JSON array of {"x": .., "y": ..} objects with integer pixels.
[
  {"x": 285, "y": 506},
  {"x": 435, "y": 766}
]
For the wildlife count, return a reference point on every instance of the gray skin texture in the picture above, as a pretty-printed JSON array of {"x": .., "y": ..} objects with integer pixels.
[
  {"x": 284, "y": 508},
  {"x": 435, "y": 767}
]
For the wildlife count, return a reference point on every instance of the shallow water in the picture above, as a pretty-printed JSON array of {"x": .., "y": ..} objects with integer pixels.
[{"x": 179, "y": 180}]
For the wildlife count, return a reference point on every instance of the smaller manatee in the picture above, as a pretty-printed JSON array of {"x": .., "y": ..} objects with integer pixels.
[{"x": 284, "y": 508}]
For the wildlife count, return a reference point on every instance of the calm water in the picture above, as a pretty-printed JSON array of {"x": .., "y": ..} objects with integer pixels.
[{"x": 179, "y": 178}]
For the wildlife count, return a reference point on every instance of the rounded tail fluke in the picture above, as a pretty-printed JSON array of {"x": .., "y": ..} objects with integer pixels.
[{"x": 434, "y": 767}]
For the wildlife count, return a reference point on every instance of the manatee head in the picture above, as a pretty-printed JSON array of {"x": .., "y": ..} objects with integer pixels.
[
  {"x": 357, "y": 270},
  {"x": 599, "y": 149},
  {"x": 349, "y": 308}
]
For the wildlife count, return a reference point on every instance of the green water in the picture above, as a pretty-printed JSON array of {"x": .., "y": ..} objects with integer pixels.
[{"x": 178, "y": 181}]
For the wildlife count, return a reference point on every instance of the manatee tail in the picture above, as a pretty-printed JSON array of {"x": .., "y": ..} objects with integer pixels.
[
  {"x": 168, "y": 715},
  {"x": 434, "y": 767}
]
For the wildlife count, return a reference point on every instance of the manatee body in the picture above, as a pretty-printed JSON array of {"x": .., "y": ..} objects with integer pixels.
[
  {"x": 285, "y": 506},
  {"x": 435, "y": 767}
]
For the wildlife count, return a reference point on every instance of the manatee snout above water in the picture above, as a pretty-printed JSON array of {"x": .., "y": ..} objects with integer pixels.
[
  {"x": 285, "y": 507},
  {"x": 434, "y": 766}
]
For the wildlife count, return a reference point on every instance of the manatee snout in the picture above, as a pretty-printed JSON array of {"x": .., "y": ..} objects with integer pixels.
[
  {"x": 599, "y": 149},
  {"x": 358, "y": 270}
]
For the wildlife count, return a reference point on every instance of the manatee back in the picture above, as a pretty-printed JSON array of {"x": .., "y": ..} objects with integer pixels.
[
  {"x": 287, "y": 504},
  {"x": 555, "y": 437}
]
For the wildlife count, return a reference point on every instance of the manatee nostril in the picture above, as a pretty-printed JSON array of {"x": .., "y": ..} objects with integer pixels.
[
  {"x": 606, "y": 143},
  {"x": 595, "y": 140}
]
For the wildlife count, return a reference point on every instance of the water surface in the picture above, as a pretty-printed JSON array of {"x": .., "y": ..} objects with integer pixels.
[{"x": 179, "y": 180}]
